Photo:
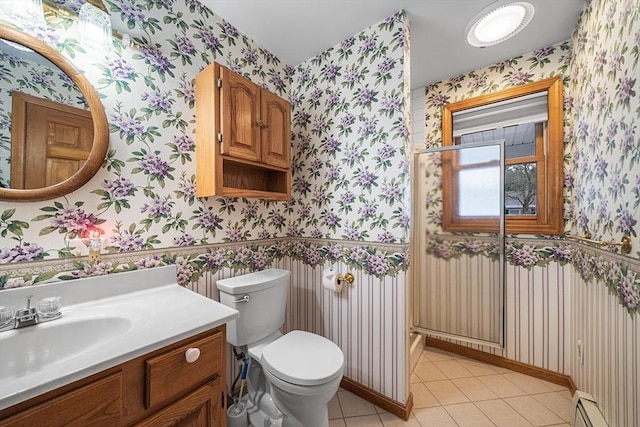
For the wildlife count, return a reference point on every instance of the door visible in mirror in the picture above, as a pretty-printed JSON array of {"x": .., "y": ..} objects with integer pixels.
[
  {"x": 50, "y": 141},
  {"x": 61, "y": 131},
  {"x": 30, "y": 84}
]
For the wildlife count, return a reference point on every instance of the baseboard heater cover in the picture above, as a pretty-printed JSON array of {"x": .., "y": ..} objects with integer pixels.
[{"x": 586, "y": 412}]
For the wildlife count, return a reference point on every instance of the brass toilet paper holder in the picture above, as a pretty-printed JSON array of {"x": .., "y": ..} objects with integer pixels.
[{"x": 348, "y": 277}]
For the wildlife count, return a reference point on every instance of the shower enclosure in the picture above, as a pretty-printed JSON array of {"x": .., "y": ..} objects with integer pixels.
[{"x": 458, "y": 252}]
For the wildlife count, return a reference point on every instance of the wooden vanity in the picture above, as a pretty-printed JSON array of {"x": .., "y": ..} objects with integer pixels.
[
  {"x": 130, "y": 349},
  {"x": 157, "y": 389}
]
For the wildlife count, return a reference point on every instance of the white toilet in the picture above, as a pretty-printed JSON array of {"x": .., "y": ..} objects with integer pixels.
[{"x": 292, "y": 377}]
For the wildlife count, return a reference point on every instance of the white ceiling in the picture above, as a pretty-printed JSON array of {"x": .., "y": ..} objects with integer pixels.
[{"x": 297, "y": 30}]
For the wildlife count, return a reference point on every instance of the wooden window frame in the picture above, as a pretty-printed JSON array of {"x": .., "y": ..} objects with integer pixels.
[{"x": 548, "y": 219}]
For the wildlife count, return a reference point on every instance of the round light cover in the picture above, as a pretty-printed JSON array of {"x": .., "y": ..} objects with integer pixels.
[{"x": 499, "y": 23}]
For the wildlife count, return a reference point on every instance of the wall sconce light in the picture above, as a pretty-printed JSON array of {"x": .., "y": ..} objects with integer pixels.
[
  {"x": 22, "y": 12},
  {"x": 94, "y": 26},
  {"x": 498, "y": 22}
]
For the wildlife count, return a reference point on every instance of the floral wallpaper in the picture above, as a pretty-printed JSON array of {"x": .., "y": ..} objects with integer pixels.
[
  {"x": 143, "y": 197},
  {"x": 599, "y": 68},
  {"x": 349, "y": 126},
  {"x": 350, "y": 168},
  {"x": 527, "y": 68},
  {"x": 37, "y": 78},
  {"x": 350, "y": 178},
  {"x": 605, "y": 117}
]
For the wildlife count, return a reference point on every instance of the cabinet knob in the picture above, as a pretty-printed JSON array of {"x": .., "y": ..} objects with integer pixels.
[
  {"x": 192, "y": 354},
  {"x": 261, "y": 124}
]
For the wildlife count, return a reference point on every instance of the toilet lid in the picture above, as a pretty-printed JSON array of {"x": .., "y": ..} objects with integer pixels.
[{"x": 303, "y": 358}]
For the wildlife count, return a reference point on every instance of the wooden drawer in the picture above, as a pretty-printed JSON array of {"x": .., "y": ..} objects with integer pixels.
[
  {"x": 169, "y": 375},
  {"x": 96, "y": 404},
  {"x": 200, "y": 408}
]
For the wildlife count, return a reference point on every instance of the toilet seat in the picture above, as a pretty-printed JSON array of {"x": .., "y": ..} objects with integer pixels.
[{"x": 303, "y": 358}]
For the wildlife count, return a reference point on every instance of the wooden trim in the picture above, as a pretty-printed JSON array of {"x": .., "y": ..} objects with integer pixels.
[
  {"x": 381, "y": 401},
  {"x": 100, "y": 124},
  {"x": 549, "y": 213},
  {"x": 503, "y": 362}
]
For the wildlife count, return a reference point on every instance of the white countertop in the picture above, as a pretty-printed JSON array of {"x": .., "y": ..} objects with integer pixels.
[{"x": 123, "y": 316}]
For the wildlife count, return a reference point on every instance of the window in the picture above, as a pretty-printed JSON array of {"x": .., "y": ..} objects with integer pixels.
[{"x": 528, "y": 119}]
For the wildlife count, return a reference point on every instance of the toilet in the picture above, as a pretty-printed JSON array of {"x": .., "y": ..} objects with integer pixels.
[{"x": 291, "y": 377}]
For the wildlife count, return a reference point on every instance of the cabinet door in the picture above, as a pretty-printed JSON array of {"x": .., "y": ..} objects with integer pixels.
[
  {"x": 276, "y": 130},
  {"x": 200, "y": 408},
  {"x": 96, "y": 404},
  {"x": 239, "y": 115}
]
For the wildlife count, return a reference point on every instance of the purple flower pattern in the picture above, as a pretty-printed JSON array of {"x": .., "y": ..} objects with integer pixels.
[{"x": 352, "y": 98}]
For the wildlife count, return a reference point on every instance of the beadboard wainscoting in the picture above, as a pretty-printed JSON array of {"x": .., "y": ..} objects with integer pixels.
[
  {"x": 536, "y": 313},
  {"x": 365, "y": 320},
  {"x": 611, "y": 340},
  {"x": 459, "y": 296}
]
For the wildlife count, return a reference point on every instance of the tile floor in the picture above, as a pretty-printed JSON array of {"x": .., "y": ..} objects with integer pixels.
[{"x": 450, "y": 390}]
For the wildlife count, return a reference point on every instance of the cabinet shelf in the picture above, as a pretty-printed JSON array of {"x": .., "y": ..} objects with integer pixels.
[{"x": 242, "y": 179}]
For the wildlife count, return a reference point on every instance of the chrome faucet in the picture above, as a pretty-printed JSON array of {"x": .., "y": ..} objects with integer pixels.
[{"x": 29, "y": 316}]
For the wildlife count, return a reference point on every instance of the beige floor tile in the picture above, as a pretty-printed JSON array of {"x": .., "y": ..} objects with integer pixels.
[
  {"x": 501, "y": 414},
  {"x": 565, "y": 393},
  {"x": 334, "y": 408},
  {"x": 354, "y": 406},
  {"x": 423, "y": 357},
  {"x": 366, "y": 421},
  {"x": 501, "y": 386},
  {"x": 414, "y": 378},
  {"x": 390, "y": 420},
  {"x": 427, "y": 371},
  {"x": 478, "y": 368},
  {"x": 474, "y": 389},
  {"x": 336, "y": 423},
  {"x": 434, "y": 417},
  {"x": 467, "y": 414},
  {"x": 422, "y": 397},
  {"x": 434, "y": 354},
  {"x": 558, "y": 404},
  {"x": 556, "y": 387},
  {"x": 529, "y": 385},
  {"x": 380, "y": 410},
  {"x": 534, "y": 412},
  {"x": 501, "y": 370},
  {"x": 452, "y": 369},
  {"x": 446, "y": 392}
]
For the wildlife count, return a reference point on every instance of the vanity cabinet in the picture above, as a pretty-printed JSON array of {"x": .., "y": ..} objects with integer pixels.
[
  {"x": 243, "y": 138},
  {"x": 158, "y": 389}
]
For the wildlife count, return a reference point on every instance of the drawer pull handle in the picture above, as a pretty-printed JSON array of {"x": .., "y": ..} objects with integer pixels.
[{"x": 192, "y": 354}]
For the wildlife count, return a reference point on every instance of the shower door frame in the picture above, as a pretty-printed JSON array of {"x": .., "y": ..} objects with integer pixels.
[{"x": 501, "y": 244}]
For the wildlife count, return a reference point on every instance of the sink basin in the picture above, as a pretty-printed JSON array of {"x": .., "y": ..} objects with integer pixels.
[
  {"x": 29, "y": 349},
  {"x": 106, "y": 320}
]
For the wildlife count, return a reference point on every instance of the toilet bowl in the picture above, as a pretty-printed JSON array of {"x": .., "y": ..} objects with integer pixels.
[{"x": 292, "y": 376}]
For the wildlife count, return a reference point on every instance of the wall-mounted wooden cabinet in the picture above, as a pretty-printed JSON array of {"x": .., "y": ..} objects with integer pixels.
[{"x": 243, "y": 138}]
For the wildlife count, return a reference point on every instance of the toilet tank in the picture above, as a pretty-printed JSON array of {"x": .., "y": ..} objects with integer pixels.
[{"x": 261, "y": 299}]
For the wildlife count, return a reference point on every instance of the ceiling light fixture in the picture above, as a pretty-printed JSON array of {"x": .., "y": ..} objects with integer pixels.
[
  {"x": 94, "y": 26},
  {"x": 498, "y": 22}
]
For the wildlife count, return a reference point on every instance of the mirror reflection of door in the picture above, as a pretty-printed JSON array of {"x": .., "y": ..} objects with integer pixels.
[{"x": 49, "y": 141}]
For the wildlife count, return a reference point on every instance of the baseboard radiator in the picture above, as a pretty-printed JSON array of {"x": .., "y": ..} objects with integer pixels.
[{"x": 586, "y": 412}]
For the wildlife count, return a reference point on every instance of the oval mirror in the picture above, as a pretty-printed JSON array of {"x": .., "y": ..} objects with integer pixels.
[{"x": 51, "y": 141}]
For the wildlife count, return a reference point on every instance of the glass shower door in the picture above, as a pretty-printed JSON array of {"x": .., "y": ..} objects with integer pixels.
[{"x": 459, "y": 243}]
